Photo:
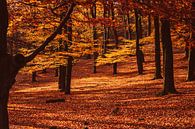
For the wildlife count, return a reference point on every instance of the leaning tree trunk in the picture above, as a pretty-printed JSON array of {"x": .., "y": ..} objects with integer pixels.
[
  {"x": 191, "y": 65},
  {"x": 169, "y": 86},
  {"x": 157, "y": 74}
]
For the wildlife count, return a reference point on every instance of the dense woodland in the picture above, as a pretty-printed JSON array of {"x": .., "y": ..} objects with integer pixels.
[{"x": 40, "y": 36}]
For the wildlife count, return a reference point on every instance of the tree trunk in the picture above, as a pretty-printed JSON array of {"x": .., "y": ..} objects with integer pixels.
[
  {"x": 126, "y": 34},
  {"x": 44, "y": 71},
  {"x": 129, "y": 27},
  {"x": 5, "y": 67},
  {"x": 139, "y": 53},
  {"x": 95, "y": 54},
  {"x": 106, "y": 27},
  {"x": 9, "y": 67},
  {"x": 115, "y": 37},
  {"x": 3, "y": 27},
  {"x": 34, "y": 75},
  {"x": 157, "y": 49},
  {"x": 187, "y": 50},
  {"x": 68, "y": 75},
  {"x": 149, "y": 19},
  {"x": 56, "y": 72},
  {"x": 105, "y": 31},
  {"x": 62, "y": 77},
  {"x": 169, "y": 86},
  {"x": 191, "y": 65},
  {"x": 4, "y": 120},
  {"x": 70, "y": 60},
  {"x": 149, "y": 25},
  {"x": 140, "y": 24}
]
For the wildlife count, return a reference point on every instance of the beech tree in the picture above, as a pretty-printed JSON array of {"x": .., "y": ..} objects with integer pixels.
[
  {"x": 168, "y": 85},
  {"x": 167, "y": 12},
  {"x": 10, "y": 65},
  {"x": 157, "y": 74},
  {"x": 139, "y": 53},
  {"x": 95, "y": 54}
]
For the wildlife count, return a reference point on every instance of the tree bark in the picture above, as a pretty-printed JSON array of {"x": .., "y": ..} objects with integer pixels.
[
  {"x": 149, "y": 25},
  {"x": 34, "y": 75},
  {"x": 68, "y": 75},
  {"x": 191, "y": 65},
  {"x": 62, "y": 77},
  {"x": 9, "y": 67},
  {"x": 56, "y": 72},
  {"x": 140, "y": 24},
  {"x": 95, "y": 54},
  {"x": 129, "y": 27},
  {"x": 168, "y": 84},
  {"x": 157, "y": 74},
  {"x": 70, "y": 61},
  {"x": 139, "y": 53},
  {"x": 106, "y": 29},
  {"x": 115, "y": 37},
  {"x": 3, "y": 27}
]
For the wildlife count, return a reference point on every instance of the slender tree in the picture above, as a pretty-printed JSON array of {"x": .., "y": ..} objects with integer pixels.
[
  {"x": 105, "y": 34},
  {"x": 129, "y": 31},
  {"x": 95, "y": 54},
  {"x": 157, "y": 74},
  {"x": 149, "y": 20},
  {"x": 115, "y": 37},
  {"x": 139, "y": 53}
]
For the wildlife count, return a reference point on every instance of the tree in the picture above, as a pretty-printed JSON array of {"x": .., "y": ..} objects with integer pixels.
[
  {"x": 106, "y": 29},
  {"x": 191, "y": 66},
  {"x": 139, "y": 53},
  {"x": 10, "y": 65},
  {"x": 157, "y": 74},
  {"x": 149, "y": 21},
  {"x": 3, "y": 27},
  {"x": 115, "y": 37},
  {"x": 69, "y": 60},
  {"x": 168, "y": 85},
  {"x": 95, "y": 54}
]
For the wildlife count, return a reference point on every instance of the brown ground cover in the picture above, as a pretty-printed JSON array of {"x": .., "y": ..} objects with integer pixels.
[{"x": 104, "y": 101}]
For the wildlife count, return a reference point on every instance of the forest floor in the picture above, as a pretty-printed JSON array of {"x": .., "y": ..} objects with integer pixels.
[{"x": 104, "y": 101}]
